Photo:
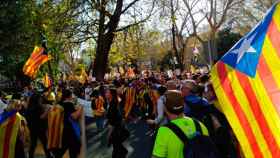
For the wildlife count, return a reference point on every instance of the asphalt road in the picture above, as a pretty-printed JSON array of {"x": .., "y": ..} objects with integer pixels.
[{"x": 139, "y": 145}]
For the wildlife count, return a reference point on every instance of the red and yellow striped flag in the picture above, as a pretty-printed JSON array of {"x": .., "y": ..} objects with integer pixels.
[
  {"x": 55, "y": 127},
  {"x": 129, "y": 100},
  {"x": 47, "y": 81},
  {"x": 246, "y": 82},
  {"x": 38, "y": 57},
  {"x": 9, "y": 129}
]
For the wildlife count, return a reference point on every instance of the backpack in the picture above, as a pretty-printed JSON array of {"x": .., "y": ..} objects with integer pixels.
[
  {"x": 199, "y": 146},
  {"x": 198, "y": 110}
]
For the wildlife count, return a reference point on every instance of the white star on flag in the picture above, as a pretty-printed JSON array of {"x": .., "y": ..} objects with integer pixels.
[{"x": 245, "y": 47}]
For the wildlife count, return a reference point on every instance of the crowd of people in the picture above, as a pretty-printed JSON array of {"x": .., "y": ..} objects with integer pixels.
[{"x": 185, "y": 102}]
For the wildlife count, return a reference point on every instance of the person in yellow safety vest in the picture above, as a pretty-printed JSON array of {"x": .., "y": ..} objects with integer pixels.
[{"x": 97, "y": 105}]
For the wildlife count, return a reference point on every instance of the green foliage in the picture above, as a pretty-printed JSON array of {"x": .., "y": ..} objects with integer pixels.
[
  {"x": 167, "y": 61},
  {"x": 23, "y": 22},
  {"x": 225, "y": 40},
  {"x": 16, "y": 34},
  {"x": 135, "y": 45}
]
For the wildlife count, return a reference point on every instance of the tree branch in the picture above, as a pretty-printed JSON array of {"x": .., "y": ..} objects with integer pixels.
[
  {"x": 131, "y": 25},
  {"x": 128, "y": 6},
  {"x": 137, "y": 23}
]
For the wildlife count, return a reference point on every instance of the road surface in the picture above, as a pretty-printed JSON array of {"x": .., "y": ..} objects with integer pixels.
[{"x": 139, "y": 145}]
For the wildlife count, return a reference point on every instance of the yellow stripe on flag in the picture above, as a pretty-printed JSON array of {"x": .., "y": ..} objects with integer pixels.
[
  {"x": 14, "y": 135},
  {"x": 55, "y": 128},
  {"x": 36, "y": 59},
  {"x": 229, "y": 112},
  {"x": 2, "y": 137},
  {"x": 272, "y": 60},
  {"x": 13, "y": 138},
  {"x": 267, "y": 107},
  {"x": 246, "y": 108},
  {"x": 276, "y": 16}
]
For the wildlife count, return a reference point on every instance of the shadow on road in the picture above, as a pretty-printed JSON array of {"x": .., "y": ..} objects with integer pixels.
[{"x": 139, "y": 145}]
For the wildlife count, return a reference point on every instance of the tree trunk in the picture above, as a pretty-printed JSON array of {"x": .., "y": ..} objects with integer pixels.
[
  {"x": 213, "y": 46},
  {"x": 106, "y": 33},
  {"x": 173, "y": 30},
  {"x": 102, "y": 54}
]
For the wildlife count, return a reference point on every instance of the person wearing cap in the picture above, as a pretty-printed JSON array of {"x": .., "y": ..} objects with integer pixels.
[{"x": 167, "y": 144}]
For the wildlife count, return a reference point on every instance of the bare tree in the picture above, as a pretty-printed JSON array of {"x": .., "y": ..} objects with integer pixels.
[
  {"x": 216, "y": 13},
  {"x": 181, "y": 28},
  {"x": 108, "y": 16},
  {"x": 249, "y": 13}
]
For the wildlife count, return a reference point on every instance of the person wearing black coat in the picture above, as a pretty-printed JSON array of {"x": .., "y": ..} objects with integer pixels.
[{"x": 117, "y": 131}]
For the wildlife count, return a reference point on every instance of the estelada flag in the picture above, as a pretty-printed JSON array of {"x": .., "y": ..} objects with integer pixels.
[
  {"x": 47, "y": 81},
  {"x": 55, "y": 127},
  {"x": 246, "y": 82},
  {"x": 9, "y": 128},
  {"x": 129, "y": 100},
  {"x": 38, "y": 57}
]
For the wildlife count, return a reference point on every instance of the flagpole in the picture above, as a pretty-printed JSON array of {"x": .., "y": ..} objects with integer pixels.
[{"x": 44, "y": 44}]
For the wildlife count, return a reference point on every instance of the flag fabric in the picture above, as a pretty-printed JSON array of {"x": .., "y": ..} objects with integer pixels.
[
  {"x": 9, "y": 127},
  {"x": 38, "y": 57},
  {"x": 153, "y": 94},
  {"x": 83, "y": 77},
  {"x": 99, "y": 109},
  {"x": 129, "y": 100},
  {"x": 55, "y": 127},
  {"x": 47, "y": 81},
  {"x": 246, "y": 82}
]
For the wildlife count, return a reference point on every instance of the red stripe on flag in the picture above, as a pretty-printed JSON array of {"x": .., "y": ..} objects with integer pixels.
[
  {"x": 8, "y": 134},
  {"x": 269, "y": 83},
  {"x": 37, "y": 54},
  {"x": 259, "y": 116},
  {"x": 274, "y": 36},
  {"x": 228, "y": 89},
  {"x": 39, "y": 61}
]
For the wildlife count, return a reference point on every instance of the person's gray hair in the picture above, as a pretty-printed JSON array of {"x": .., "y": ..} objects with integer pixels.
[{"x": 188, "y": 83}]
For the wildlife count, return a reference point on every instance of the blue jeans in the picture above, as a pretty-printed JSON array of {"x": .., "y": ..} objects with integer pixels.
[{"x": 100, "y": 122}]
